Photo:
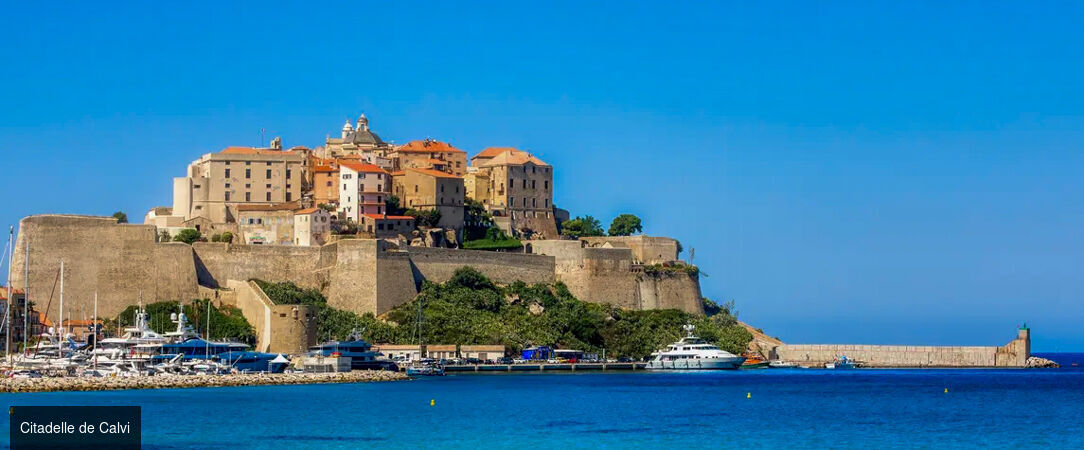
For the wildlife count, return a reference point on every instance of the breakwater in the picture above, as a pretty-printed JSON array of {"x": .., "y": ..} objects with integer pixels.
[
  {"x": 51, "y": 384},
  {"x": 544, "y": 367},
  {"x": 1013, "y": 354}
]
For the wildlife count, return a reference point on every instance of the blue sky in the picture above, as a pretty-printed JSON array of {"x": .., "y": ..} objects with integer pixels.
[{"x": 847, "y": 172}]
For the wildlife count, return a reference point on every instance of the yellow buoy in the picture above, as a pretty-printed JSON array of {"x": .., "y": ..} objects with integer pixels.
[
  {"x": 946, "y": 390},
  {"x": 433, "y": 402},
  {"x": 748, "y": 395}
]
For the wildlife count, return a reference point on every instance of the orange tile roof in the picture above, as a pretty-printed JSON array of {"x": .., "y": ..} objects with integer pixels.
[
  {"x": 44, "y": 320},
  {"x": 434, "y": 173},
  {"x": 325, "y": 169},
  {"x": 306, "y": 211},
  {"x": 384, "y": 216},
  {"x": 429, "y": 145},
  {"x": 362, "y": 167},
  {"x": 437, "y": 161},
  {"x": 494, "y": 151},
  {"x": 513, "y": 157}
]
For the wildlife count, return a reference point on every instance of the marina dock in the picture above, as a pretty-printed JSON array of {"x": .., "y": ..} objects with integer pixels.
[{"x": 544, "y": 367}]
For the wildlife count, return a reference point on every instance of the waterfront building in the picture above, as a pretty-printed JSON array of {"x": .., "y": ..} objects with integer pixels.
[
  {"x": 425, "y": 189},
  {"x": 364, "y": 188},
  {"x": 312, "y": 226},
  {"x": 383, "y": 226},
  {"x": 431, "y": 154},
  {"x": 217, "y": 183},
  {"x": 520, "y": 193},
  {"x": 20, "y": 317}
]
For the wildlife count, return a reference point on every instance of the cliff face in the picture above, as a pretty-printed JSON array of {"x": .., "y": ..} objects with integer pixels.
[{"x": 121, "y": 261}]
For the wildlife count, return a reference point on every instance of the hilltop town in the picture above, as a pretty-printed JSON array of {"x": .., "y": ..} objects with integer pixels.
[{"x": 422, "y": 193}]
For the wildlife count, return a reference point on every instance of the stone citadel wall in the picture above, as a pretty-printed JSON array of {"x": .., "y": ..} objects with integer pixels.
[{"x": 121, "y": 261}]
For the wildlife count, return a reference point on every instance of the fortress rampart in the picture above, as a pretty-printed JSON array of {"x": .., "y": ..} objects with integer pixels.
[{"x": 121, "y": 262}]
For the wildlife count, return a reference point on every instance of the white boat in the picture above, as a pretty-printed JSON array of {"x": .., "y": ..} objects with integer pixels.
[
  {"x": 693, "y": 353},
  {"x": 780, "y": 364}
]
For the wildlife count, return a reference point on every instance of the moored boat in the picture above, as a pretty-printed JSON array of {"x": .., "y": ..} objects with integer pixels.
[{"x": 693, "y": 353}]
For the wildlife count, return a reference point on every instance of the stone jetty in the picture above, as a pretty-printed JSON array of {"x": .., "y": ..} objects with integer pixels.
[{"x": 51, "y": 384}]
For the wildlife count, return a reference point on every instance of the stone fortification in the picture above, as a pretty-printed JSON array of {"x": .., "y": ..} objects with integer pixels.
[
  {"x": 118, "y": 261},
  {"x": 646, "y": 249},
  {"x": 361, "y": 275},
  {"x": 289, "y": 329},
  {"x": 609, "y": 274},
  {"x": 1013, "y": 354}
]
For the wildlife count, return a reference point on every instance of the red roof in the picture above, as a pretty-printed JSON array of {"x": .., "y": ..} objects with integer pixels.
[
  {"x": 434, "y": 173},
  {"x": 325, "y": 169},
  {"x": 362, "y": 167},
  {"x": 306, "y": 211},
  {"x": 429, "y": 145},
  {"x": 385, "y": 216},
  {"x": 494, "y": 151}
]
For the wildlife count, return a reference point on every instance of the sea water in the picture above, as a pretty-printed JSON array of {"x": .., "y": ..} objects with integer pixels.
[{"x": 756, "y": 408}]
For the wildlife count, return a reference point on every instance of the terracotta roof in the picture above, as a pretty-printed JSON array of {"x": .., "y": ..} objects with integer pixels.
[
  {"x": 385, "y": 216},
  {"x": 288, "y": 206},
  {"x": 44, "y": 320},
  {"x": 437, "y": 161},
  {"x": 306, "y": 211},
  {"x": 325, "y": 169},
  {"x": 494, "y": 151},
  {"x": 362, "y": 167},
  {"x": 429, "y": 145},
  {"x": 513, "y": 157},
  {"x": 4, "y": 292},
  {"x": 434, "y": 173}
]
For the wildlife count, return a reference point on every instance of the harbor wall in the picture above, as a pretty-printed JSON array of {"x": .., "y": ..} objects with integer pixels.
[
  {"x": 1013, "y": 354},
  {"x": 289, "y": 329}
]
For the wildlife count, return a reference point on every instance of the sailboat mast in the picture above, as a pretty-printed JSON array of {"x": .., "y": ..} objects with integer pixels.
[
  {"x": 60, "y": 319},
  {"x": 11, "y": 301},
  {"x": 94, "y": 326},
  {"x": 26, "y": 294}
]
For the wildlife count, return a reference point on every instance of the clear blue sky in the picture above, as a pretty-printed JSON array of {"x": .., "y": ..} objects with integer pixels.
[{"x": 847, "y": 172}]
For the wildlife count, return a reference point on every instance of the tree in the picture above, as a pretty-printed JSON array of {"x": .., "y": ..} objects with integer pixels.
[
  {"x": 392, "y": 206},
  {"x": 426, "y": 217},
  {"x": 187, "y": 235},
  {"x": 163, "y": 236},
  {"x": 625, "y": 225},
  {"x": 226, "y": 237},
  {"x": 121, "y": 217},
  {"x": 581, "y": 227}
]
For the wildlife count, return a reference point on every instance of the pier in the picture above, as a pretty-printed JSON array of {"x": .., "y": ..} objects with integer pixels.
[{"x": 544, "y": 367}]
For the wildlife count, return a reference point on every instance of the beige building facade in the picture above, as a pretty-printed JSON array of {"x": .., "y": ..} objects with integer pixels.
[
  {"x": 431, "y": 154},
  {"x": 312, "y": 226},
  {"x": 383, "y": 226},
  {"x": 521, "y": 190},
  {"x": 267, "y": 224},
  {"x": 424, "y": 189},
  {"x": 218, "y": 183}
]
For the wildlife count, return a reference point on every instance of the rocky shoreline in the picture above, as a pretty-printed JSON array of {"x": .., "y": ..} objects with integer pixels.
[{"x": 55, "y": 384}]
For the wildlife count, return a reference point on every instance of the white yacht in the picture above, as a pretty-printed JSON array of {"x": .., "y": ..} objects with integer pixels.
[{"x": 692, "y": 353}]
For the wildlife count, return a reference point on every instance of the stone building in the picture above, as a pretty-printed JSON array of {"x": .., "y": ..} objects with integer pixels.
[
  {"x": 521, "y": 192},
  {"x": 325, "y": 180},
  {"x": 431, "y": 154},
  {"x": 363, "y": 189},
  {"x": 476, "y": 183},
  {"x": 355, "y": 141},
  {"x": 267, "y": 224},
  {"x": 217, "y": 183},
  {"x": 312, "y": 226},
  {"x": 383, "y": 226},
  {"x": 425, "y": 189}
]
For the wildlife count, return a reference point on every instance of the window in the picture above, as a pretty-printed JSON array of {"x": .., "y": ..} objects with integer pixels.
[
  {"x": 524, "y": 183},
  {"x": 227, "y": 185},
  {"x": 196, "y": 186},
  {"x": 227, "y": 173},
  {"x": 268, "y": 172},
  {"x": 457, "y": 189},
  {"x": 248, "y": 163},
  {"x": 533, "y": 203},
  {"x": 268, "y": 196},
  {"x": 380, "y": 226},
  {"x": 532, "y": 184},
  {"x": 248, "y": 196},
  {"x": 344, "y": 186},
  {"x": 288, "y": 196},
  {"x": 545, "y": 184},
  {"x": 415, "y": 189},
  {"x": 329, "y": 184},
  {"x": 380, "y": 210},
  {"x": 248, "y": 173},
  {"x": 288, "y": 172},
  {"x": 547, "y": 203},
  {"x": 442, "y": 188},
  {"x": 227, "y": 196},
  {"x": 269, "y": 186}
]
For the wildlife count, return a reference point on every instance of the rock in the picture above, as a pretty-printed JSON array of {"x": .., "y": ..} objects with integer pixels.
[
  {"x": 536, "y": 309},
  {"x": 1036, "y": 362},
  {"x": 450, "y": 239}
]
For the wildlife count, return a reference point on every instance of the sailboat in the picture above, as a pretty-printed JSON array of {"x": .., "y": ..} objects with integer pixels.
[{"x": 423, "y": 367}]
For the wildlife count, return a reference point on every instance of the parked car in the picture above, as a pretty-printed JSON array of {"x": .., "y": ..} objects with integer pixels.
[
  {"x": 519, "y": 361},
  {"x": 506, "y": 360},
  {"x": 473, "y": 361},
  {"x": 624, "y": 359}
]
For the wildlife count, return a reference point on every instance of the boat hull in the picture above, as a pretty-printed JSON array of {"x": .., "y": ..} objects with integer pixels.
[{"x": 697, "y": 364}]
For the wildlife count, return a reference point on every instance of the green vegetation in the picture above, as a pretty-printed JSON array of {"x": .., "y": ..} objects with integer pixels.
[
  {"x": 471, "y": 309},
  {"x": 625, "y": 225},
  {"x": 581, "y": 227},
  {"x": 226, "y": 322},
  {"x": 391, "y": 205},
  {"x": 224, "y": 237},
  {"x": 121, "y": 217},
  {"x": 495, "y": 239},
  {"x": 333, "y": 324},
  {"x": 477, "y": 221},
  {"x": 163, "y": 236},
  {"x": 670, "y": 268},
  {"x": 328, "y": 207},
  {"x": 424, "y": 217},
  {"x": 188, "y": 236}
]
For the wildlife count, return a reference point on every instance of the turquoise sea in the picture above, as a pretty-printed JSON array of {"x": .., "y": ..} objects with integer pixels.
[{"x": 760, "y": 408}]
